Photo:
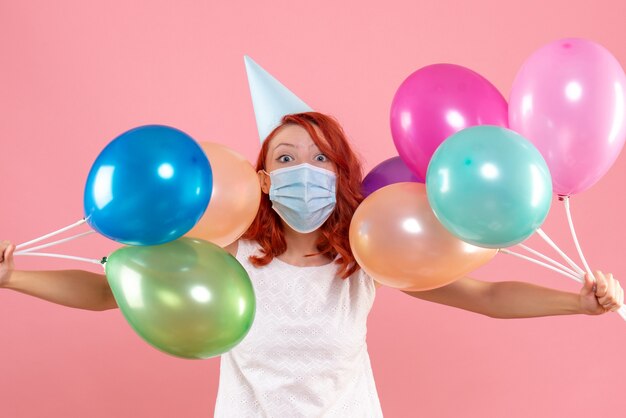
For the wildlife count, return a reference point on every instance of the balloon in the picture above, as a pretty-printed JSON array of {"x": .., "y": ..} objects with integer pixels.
[
  {"x": 150, "y": 185},
  {"x": 235, "y": 199},
  {"x": 396, "y": 239},
  {"x": 489, "y": 186},
  {"x": 390, "y": 171},
  {"x": 188, "y": 297},
  {"x": 437, "y": 101},
  {"x": 568, "y": 99}
]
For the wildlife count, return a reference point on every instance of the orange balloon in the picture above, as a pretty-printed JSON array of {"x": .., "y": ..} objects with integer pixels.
[
  {"x": 235, "y": 199},
  {"x": 396, "y": 238}
]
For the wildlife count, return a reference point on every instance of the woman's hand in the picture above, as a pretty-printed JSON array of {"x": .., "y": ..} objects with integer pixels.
[
  {"x": 6, "y": 262},
  {"x": 602, "y": 296}
]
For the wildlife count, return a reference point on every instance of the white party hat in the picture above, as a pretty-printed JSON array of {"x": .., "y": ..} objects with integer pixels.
[{"x": 270, "y": 98}]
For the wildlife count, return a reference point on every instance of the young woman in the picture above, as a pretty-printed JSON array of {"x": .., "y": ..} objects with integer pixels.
[{"x": 306, "y": 353}]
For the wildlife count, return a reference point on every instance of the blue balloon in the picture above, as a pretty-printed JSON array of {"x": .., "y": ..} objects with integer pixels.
[{"x": 149, "y": 186}]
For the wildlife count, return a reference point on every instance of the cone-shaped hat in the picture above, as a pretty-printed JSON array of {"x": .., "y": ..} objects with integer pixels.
[{"x": 270, "y": 98}]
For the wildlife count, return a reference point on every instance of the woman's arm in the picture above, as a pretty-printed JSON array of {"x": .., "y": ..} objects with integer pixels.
[
  {"x": 73, "y": 288},
  {"x": 524, "y": 300}
]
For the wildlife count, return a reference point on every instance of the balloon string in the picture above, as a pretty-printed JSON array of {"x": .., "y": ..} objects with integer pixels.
[
  {"x": 69, "y": 257},
  {"x": 622, "y": 310},
  {"x": 573, "y": 231},
  {"x": 579, "y": 279},
  {"x": 548, "y": 259},
  {"x": 50, "y": 244},
  {"x": 82, "y": 221},
  {"x": 547, "y": 239}
]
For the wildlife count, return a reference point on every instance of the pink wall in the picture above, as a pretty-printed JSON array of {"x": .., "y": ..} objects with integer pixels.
[{"x": 74, "y": 74}]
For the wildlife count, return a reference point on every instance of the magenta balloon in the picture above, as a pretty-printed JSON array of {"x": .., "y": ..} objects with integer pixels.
[
  {"x": 568, "y": 100},
  {"x": 437, "y": 101}
]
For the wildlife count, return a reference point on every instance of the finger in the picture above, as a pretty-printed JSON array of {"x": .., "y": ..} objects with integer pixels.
[
  {"x": 588, "y": 284},
  {"x": 6, "y": 250},
  {"x": 9, "y": 250},
  {"x": 3, "y": 246},
  {"x": 8, "y": 253},
  {"x": 618, "y": 289},
  {"x": 601, "y": 284},
  {"x": 613, "y": 306},
  {"x": 609, "y": 297}
]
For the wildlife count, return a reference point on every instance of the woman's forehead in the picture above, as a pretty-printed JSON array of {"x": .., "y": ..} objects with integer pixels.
[{"x": 294, "y": 136}]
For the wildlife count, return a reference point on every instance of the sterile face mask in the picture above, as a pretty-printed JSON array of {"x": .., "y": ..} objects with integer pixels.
[{"x": 303, "y": 195}]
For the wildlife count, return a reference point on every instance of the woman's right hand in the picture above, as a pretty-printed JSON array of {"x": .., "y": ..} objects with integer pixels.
[
  {"x": 75, "y": 288},
  {"x": 6, "y": 262}
]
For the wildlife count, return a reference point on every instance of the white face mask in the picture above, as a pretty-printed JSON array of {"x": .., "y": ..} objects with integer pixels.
[{"x": 303, "y": 195}]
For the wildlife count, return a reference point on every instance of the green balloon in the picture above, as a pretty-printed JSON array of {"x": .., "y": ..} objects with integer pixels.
[
  {"x": 188, "y": 297},
  {"x": 489, "y": 186}
]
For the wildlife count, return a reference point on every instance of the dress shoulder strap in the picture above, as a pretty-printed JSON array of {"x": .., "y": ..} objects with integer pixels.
[{"x": 246, "y": 248}]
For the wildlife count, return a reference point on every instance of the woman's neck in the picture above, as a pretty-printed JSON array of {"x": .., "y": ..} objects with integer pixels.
[{"x": 299, "y": 245}]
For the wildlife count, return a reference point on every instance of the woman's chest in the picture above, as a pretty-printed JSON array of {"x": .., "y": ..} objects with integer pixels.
[{"x": 304, "y": 312}]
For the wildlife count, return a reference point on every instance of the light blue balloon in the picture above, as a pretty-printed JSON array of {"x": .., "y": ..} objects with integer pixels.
[
  {"x": 489, "y": 186},
  {"x": 148, "y": 186}
]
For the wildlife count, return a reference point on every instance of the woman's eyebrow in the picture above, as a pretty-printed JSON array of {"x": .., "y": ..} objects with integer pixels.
[
  {"x": 292, "y": 145},
  {"x": 284, "y": 143}
]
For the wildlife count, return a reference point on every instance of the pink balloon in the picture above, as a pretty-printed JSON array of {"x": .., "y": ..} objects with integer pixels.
[
  {"x": 568, "y": 100},
  {"x": 437, "y": 101}
]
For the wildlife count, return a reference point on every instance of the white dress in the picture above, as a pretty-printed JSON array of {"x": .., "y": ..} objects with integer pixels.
[{"x": 305, "y": 355}]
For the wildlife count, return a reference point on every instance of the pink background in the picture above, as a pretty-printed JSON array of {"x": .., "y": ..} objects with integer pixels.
[{"x": 75, "y": 74}]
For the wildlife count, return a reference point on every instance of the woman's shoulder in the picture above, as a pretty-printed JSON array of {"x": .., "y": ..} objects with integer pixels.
[
  {"x": 241, "y": 247},
  {"x": 233, "y": 248},
  {"x": 363, "y": 275}
]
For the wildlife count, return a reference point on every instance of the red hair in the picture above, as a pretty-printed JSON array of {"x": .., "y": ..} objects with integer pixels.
[{"x": 267, "y": 228}]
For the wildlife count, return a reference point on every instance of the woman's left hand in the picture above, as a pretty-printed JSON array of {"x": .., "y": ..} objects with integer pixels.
[{"x": 604, "y": 295}]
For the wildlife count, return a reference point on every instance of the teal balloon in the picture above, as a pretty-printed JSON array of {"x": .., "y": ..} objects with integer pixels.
[
  {"x": 188, "y": 297},
  {"x": 489, "y": 186}
]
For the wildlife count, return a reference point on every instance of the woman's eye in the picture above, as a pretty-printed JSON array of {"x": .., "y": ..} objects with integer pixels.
[
  {"x": 321, "y": 157},
  {"x": 285, "y": 158}
]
